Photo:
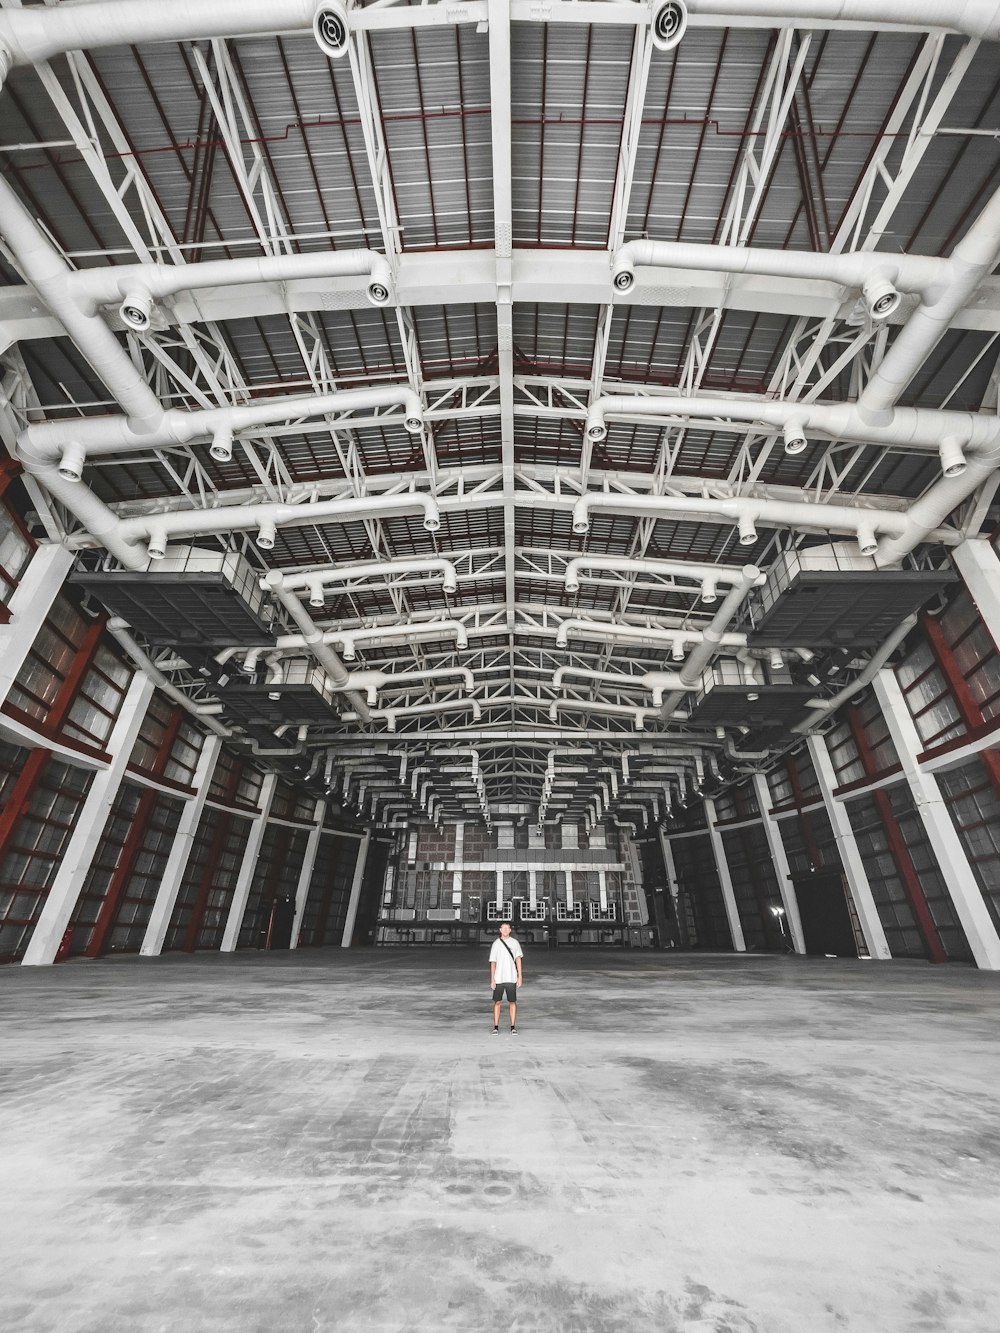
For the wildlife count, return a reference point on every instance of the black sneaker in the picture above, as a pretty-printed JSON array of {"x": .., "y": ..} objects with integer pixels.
[
  {"x": 513, "y": 1032},
  {"x": 496, "y": 1030}
]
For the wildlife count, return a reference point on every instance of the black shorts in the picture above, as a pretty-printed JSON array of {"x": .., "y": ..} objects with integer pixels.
[{"x": 505, "y": 990}]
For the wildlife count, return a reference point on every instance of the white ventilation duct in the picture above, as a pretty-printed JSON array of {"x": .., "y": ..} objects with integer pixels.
[
  {"x": 824, "y": 708},
  {"x": 975, "y": 18},
  {"x": 312, "y": 639},
  {"x": 638, "y": 715},
  {"x": 121, "y": 631},
  {"x": 350, "y": 638},
  {"x": 708, "y": 575},
  {"x": 314, "y": 581},
  {"x": 714, "y": 636},
  {"x": 135, "y": 287},
  {"x": 654, "y": 681},
  {"x": 673, "y": 638},
  {"x": 880, "y": 277},
  {"x": 392, "y": 715},
  {"x": 374, "y": 681}
]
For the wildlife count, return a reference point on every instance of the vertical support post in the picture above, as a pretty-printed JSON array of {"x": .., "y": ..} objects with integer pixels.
[
  {"x": 248, "y": 865},
  {"x": 532, "y": 887},
  {"x": 725, "y": 880},
  {"x": 459, "y": 862},
  {"x": 979, "y": 565},
  {"x": 944, "y": 840},
  {"x": 29, "y": 605},
  {"x": 850, "y": 855},
  {"x": 674, "y": 888},
  {"x": 85, "y": 839},
  {"x": 356, "y": 883},
  {"x": 782, "y": 870},
  {"x": 306, "y": 873},
  {"x": 180, "y": 851},
  {"x": 602, "y": 888}
]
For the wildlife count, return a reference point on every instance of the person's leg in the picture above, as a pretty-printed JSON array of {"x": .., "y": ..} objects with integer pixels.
[
  {"x": 512, "y": 1006},
  {"x": 496, "y": 1013}
]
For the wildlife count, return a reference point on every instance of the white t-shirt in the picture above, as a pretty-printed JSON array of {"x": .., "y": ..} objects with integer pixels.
[{"x": 506, "y": 971}]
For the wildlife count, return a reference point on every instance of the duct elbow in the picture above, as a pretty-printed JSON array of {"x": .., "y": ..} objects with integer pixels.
[
  {"x": 581, "y": 516},
  {"x": 136, "y": 310},
  {"x": 413, "y": 418},
  {"x": 379, "y": 289},
  {"x": 596, "y": 427},
  {"x": 72, "y": 462},
  {"x": 432, "y": 515}
]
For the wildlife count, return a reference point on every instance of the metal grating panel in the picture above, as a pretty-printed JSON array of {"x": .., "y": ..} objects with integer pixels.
[
  {"x": 731, "y": 705},
  {"x": 296, "y": 703},
  {"x": 177, "y": 609},
  {"x": 831, "y": 609}
]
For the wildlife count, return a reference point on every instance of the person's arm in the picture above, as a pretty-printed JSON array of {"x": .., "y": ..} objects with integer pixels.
[
  {"x": 520, "y": 970},
  {"x": 493, "y": 972}
]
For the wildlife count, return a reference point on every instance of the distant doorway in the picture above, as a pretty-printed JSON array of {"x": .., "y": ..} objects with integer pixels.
[{"x": 826, "y": 919}]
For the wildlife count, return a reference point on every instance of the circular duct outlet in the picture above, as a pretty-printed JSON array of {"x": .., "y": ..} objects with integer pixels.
[
  {"x": 669, "y": 24},
  {"x": 332, "y": 30}
]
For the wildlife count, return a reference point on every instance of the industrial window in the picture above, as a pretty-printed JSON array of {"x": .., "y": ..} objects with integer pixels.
[
  {"x": 276, "y": 875},
  {"x": 793, "y": 781},
  {"x": 329, "y": 891},
  {"x": 809, "y": 842},
  {"x": 201, "y": 910},
  {"x": 164, "y": 725},
  {"x": 905, "y": 877},
  {"x": 701, "y": 910},
  {"x": 739, "y": 802},
  {"x": 971, "y": 796},
  {"x": 755, "y": 886},
  {"x": 99, "y": 700},
  {"x": 975, "y": 653},
  {"x": 881, "y": 750},
  {"x": 16, "y": 549},
  {"x": 933, "y": 709},
  {"x": 844, "y": 755},
  {"x": 49, "y": 660},
  {"x": 234, "y": 782},
  {"x": 34, "y": 849},
  {"x": 117, "y": 898}
]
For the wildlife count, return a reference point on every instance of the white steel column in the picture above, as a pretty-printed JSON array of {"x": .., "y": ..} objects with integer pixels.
[
  {"x": 782, "y": 870},
  {"x": 979, "y": 565},
  {"x": 459, "y": 861},
  {"x": 29, "y": 605},
  {"x": 244, "y": 879},
  {"x": 944, "y": 840},
  {"x": 308, "y": 865},
  {"x": 725, "y": 880},
  {"x": 180, "y": 851},
  {"x": 86, "y": 836},
  {"x": 532, "y": 887},
  {"x": 669, "y": 865},
  {"x": 359, "y": 876},
  {"x": 847, "y": 846}
]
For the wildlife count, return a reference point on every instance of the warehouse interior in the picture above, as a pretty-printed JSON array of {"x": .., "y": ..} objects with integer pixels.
[{"x": 518, "y": 460}]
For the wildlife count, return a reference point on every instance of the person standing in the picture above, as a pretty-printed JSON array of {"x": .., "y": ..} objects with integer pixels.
[{"x": 506, "y": 975}]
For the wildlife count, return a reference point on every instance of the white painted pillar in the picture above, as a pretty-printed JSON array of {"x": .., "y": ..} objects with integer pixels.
[
  {"x": 306, "y": 873},
  {"x": 944, "y": 840},
  {"x": 725, "y": 880},
  {"x": 180, "y": 851},
  {"x": 358, "y": 880},
  {"x": 498, "y": 895},
  {"x": 30, "y": 603},
  {"x": 459, "y": 861},
  {"x": 850, "y": 855},
  {"x": 673, "y": 884},
  {"x": 602, "y": 889},
  {"x": 979, "y": 565},
  {"x": 532, "y": 887},
  {"x": 86, "y": 836},
  {"x": 569, "y": 889},
  {"x": 782, "y": 870},
  {"x": 248, "y": 865}
]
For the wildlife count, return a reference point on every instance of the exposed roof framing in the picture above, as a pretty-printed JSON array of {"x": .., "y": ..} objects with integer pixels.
[{"x": 491, "y": 161}]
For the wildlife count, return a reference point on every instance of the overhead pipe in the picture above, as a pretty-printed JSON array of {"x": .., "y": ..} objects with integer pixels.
[
  {"x": 881, "y": 278},
  {"x": 823, "y": 708},
  {"x": 675, "y": 638},
  {"x": 865, "y": 525},
  {"x": 904, "y": 428},
  {"x": 639, "y": 715},
  {"x": 349, "y": 639},
  {"x": 654, "y": 681},
  {"x": 972, "y": 260},
  {"x": 714, "y": 637},
  {"x": 374, "y": 681},
  {"x": 708, "y": 575},
  {"x": 136, "y": 287},
  {"x": 392, "y": 715},
  {"x": 974, "y": 18},
  {"x": 314, "y": 581},
  {"x": 120, "y": 630},
  {"x": 312, "y": 639}
]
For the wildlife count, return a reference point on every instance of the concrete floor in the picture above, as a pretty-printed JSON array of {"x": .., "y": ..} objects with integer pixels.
[{"x": 334, "y": 1141}]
